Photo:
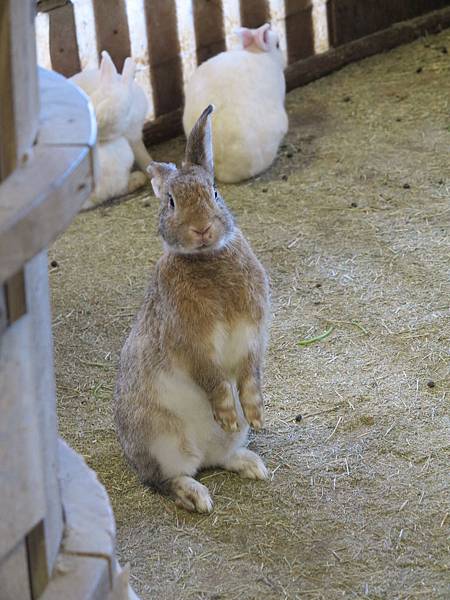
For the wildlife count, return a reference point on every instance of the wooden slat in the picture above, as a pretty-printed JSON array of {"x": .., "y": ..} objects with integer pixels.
[
  {"x": 163, "y": 128},
  {"x": 19, "y": 105},
  {"x": 352, "y": 19},
  {"x": 112, "y": 30},
  {"x": 63, "y": 41},
  {"x": 38, "y": 301},
  {"x": 22, "y": 493},
  {"x": 209, "y": 30},
  {"x": 14, "y": 582},
  {"x": 164, "y": 55},
  {"x": 299, "y": 29},
  {"x": 16, "y": 302},
  {"x": 254, "y": 13},
  {"x": 8, "y": 150},
  {"x": 39, "y": 200},
  {"x": 37, "y": 560},
  {"x": 3, "y": 314},
  {"x": 47, "y": 5}
]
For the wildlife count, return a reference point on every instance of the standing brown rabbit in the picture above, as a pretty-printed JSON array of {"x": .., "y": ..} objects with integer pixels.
[{"x": 190, "y": 371}]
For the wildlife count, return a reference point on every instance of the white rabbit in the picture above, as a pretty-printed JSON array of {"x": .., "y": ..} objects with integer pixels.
[
  {"x": 247, "y": 87},
  {"x": 120, "y": 106}
]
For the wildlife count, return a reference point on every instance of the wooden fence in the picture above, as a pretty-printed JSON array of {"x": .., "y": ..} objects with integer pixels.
[{"x": 169, "y": 38}]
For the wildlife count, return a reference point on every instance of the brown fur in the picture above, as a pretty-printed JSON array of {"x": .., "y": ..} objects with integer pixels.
[{"x": 192, "y": 289}]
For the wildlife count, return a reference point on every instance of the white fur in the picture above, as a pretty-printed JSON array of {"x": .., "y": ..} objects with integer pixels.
[
  {"x": 208, "y": 444},
  {"x": 247, "y": 87},
  {"x": 231, "y": 346},
  {"x": 115, "y": 160},
  {"x": 120, "y": 107}
]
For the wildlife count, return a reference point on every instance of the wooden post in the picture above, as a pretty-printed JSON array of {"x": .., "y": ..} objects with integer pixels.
[{"x": 19, "y": 107}]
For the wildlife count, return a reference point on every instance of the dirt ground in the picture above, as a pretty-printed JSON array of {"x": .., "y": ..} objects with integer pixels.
[{"x": 353, "y": 224}]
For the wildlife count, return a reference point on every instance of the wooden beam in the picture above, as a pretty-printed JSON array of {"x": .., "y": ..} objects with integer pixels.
[
  {"x": 8, "y": 148},
  {"x": 353, "y": 19},
  {"x": 163, "y": 128},
  {"x": 254, "y": 13},
  {"x": 164, "y": 55},
  {"x": 19, "y": 105},
  {"x": 299, "y": 29},
  {"x": 37, "y": 560},
  {"x": 209, "y": 30},
  {"x": 15, "y": 296},
  {"x": 48, "y": 5},
  {"x": 39, "y": 200},
  {"x": 3, "y": 313},
  {"x": 63, "y": 41},
  {"x": 112, "y": 30}
]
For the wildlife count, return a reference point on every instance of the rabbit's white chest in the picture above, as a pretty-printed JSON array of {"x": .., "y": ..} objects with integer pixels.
[{"x": 232, "y": 345}]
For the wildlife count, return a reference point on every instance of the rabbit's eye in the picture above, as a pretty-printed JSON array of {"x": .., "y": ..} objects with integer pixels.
[
  {"x": 216, "y": 193},
  {"x": 171, "y": 202},
  {"x": 278, "y": 45}
]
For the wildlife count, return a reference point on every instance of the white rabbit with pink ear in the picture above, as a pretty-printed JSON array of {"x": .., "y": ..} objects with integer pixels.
[
  {"x": 120, "y": 107},
  {"x": 247, "y": 87}
]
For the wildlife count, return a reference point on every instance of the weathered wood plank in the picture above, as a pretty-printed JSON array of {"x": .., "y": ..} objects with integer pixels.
[
  {"x": 37, "y": 559},
  {"x": 18, "y": 84},
  {"x": 164, "y": 55},
  {"x": 299, "y": 29},
  {"x": 8, "y": 148},
  {"x": 60, "y": 109},
  {"x": 47, "y": 5},
  {"x": 112, "y": 30},
  {"x": 16, "y": 301},
  {"x": 81, "y": 577},
  {"x": 353, "y": 19},
  {"x": 3, "y": 314},
  {"x": 14, "y": 582},
  {"x": 63, "y": 41},
  {"x": 163, "y": 128},
  {"x": 38, "y": 201},
  {"x": 38, "y": 299},
  {"x": 33, "y": 210},
  {"x": 209, "y": 30},
  {"x": 22, "y": 496},
  {"x": 254, "y": 13}
]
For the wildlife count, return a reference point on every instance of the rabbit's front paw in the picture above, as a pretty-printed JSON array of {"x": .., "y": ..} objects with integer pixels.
[
  {"x": 226, "y": 416},
  {"x": 253, "y": 411}
]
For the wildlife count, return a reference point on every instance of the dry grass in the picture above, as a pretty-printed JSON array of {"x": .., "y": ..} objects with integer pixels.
[{"x": 358, "y": 502}]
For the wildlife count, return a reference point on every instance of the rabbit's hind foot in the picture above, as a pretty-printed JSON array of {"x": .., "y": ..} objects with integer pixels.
[
  {"x": 190, "y": 494},
  {"x": 247, "y": 464}
]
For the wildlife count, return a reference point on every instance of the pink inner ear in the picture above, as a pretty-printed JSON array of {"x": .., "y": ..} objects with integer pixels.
[
  {"x": 246, "y": 36},
  {"x": 261, "y": 37}
]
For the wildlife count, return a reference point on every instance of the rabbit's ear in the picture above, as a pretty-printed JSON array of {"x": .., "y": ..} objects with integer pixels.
[
  {"x": 246, "y": 35},
  {"x": 108, "y": 70},
  {"x": 128, "y": 71},
  {"x": 159, "y": 173},
  {"x": 260, "y": 37},
  {"x": 199, "y": 149}
]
